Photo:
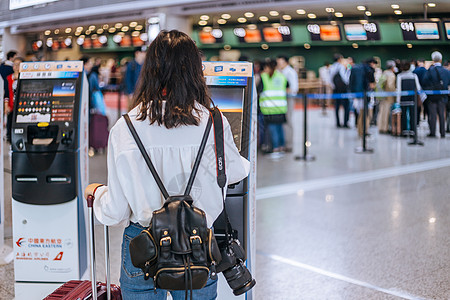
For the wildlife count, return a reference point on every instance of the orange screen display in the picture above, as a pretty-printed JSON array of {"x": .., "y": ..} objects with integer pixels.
[
  {"x": 206, "y": 37},
  {"x": 329, "y": 33},
  {"x": 252, "y": 36},
  {"x": 272, "y": 35}
]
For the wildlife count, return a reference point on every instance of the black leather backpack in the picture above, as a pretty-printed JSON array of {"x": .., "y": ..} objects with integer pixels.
[{"x": 178, "y": 250}]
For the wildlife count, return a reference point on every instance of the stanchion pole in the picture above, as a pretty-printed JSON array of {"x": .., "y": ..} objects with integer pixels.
[
  {"x": 306, "y": 156},
  {"x": 415, "y": 140},
  {"x": 364, "y": 149}
]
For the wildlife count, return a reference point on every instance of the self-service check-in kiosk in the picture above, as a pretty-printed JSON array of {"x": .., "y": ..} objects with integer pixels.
[
  {"x": 49, "y": 173},
  {"x": 232, "y": 89}
]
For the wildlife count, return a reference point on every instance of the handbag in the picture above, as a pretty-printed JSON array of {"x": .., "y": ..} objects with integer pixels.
[{"x": 177, "y": 250}]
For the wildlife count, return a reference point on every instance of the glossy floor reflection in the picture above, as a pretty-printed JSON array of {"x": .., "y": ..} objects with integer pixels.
[{"x": 365, "y": 226}]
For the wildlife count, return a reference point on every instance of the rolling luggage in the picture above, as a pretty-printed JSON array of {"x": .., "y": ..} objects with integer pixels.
[
  {"x": 98, "y": 131},
  {"x": 397, "y": 123},
  {"x": 82, "y": 289}
]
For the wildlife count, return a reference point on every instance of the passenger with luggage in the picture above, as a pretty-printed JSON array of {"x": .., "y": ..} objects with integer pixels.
[
  {"x": 171, "y": 116},
  {"x": 339, "y": 82},
  {"x": 386, "y": 84}
]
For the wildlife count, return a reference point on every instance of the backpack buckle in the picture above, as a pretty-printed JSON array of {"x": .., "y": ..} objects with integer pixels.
[
  {"x": 165, "y": 241},
  {"x": 195, "y": 239}
]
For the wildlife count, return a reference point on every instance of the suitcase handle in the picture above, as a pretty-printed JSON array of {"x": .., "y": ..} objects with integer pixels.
[{"x": 90, "y": 203}]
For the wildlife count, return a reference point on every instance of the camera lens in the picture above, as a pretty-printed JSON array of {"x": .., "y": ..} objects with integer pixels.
[{"x": 239, "y": 278}]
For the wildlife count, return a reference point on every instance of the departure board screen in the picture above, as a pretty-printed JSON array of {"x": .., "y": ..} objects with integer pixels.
[
  {"x": 248, "y": 35},
  {"x": 362, "y": 32},
  {"x": 324, "y": 33},
  {"x": 447, "y": 30},
  {"x": 277, "y": 34},
  {"x": 230, "y": 101},
  {"x": 47, "y": 100},
  {"x": 211, "y": 36},
  {"x": 422, "y": 30}
]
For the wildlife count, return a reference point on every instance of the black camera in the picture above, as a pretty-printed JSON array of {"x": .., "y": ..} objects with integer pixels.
[{"x": 233, "y": 268}]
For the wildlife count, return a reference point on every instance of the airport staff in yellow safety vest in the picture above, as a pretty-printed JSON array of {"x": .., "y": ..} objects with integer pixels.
[{"x": 273, "y": 105}]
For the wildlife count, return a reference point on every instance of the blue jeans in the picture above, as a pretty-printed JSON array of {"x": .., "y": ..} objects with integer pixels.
[
  {"x": 132, "y": 282},
  {"x": 276, "y": 135}
]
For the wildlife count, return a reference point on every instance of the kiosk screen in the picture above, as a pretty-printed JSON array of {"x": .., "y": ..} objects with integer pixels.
[
  {"x": 230, "y": 101},
  {"x": 47, "y": 100}
]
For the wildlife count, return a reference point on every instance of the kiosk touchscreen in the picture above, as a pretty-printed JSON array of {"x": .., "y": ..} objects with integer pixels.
[
  {"x": 232, "y": 90},
  {"x": 49, "y": 172}
]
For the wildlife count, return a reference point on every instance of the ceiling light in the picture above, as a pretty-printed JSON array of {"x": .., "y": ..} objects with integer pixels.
[
  {"x": 204, "y": 17},
  {"x": 202, "y": 22},
  {"x": 94, "y": 36},
  {"x": 105, "y": 26},
  {"x": 227, "y": 47},
  {"x": 135, "y": 33},
  {"x": 395, "y": 6},
  {"x": 265, "y": 46},
  {"x": 329, "y": 10},
  {"x": 333, "y": 23},
  {"x": 301, "y": 11},
  {"x": 252, "y": 26},
  {"x": 361, "y": 7},
  {"x": 125, "y": 28},
  {"x": 432, "y": 220},
  {"x": 355, "y": 45},
  {"x": 77, "y": 33},
  {"x": 249, "y": 14},
  {"x": 118, "y": 25},
  {"x": 47, "y": 32},
  {"x": 122, "y": 34},
  {"x": 338, "y": 14},
  {"x": 56, "y": 31},
  {"x": 397, "y": 12},
  {"x": 139, "y": 27},
  {"x": 276, "y": 25},
  {"x": 92, "y": 28},
  {"x": 112, "y": 30},
  {"x": 100, "y": 30},
  {"x": 88, "y": 32},
  {"x": 363, "y": 21},
  {"x": 263, "y": 18},
  {"x": 226, "y": 16},
  {"x": 287, "y": 17},
  {"x": 312, "y": 16},
  {"x": 368, "y": 13},
  {"x": 222, "y": 21},
  {"x": 133, "y": 24},
  {"x": 207, "y": 29},
  {"x": 242, "y": 20},
  {"x": 79, "y": 28},
  {"x": 432, "y": 4},
  {"x": 307, "y": 46},
  {"x": 68, "y": 30},
  {"x": 409, "y": 46},
  {"x": 274, "y": 13}
]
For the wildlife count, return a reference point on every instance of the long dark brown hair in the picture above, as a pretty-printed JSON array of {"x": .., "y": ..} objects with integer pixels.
[{"x": 172, "y": 71}]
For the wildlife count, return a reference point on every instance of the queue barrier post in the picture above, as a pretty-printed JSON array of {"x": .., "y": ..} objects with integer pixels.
[
  {"x": 306, "y": 143},
  {"x": 415, "y": 140},
  {"x": 364, "y": 148}
]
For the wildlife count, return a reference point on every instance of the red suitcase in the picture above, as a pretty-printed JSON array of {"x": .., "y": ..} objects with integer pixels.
[
  {"x": 98, "y": 131},
  {"x": 82, "y": 289}
]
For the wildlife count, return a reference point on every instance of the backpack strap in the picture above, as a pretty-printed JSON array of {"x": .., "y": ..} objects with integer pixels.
[
  {"x": 146, "y": 157},
  {"x": 198, "y": 158}
]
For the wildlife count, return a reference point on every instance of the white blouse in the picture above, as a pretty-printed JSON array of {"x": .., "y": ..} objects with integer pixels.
[{"x": 132, "y": 194}]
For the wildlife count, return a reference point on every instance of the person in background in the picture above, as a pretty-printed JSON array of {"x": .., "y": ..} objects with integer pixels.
[
  {"x": 292, "y": 78},
  {"x": 420, "y": 71},
  {"x": 12, "y": 86},
  {"x": 407, "y": 81},
  {"x": 339, "y": 82},
  {"x": 6, "y": 69},
  {"x": 132, "y": 73},
  {"x": 362, "y": 80},
  {"x": 386, "y": 84},
  {"x": 325, "y": 81},
  {"x": 272, "y": 92},
  {"x": 437, "y": 78}
]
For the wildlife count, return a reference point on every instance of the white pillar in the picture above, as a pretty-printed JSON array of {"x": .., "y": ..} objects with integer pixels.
[{"x": 16, "y": 42}]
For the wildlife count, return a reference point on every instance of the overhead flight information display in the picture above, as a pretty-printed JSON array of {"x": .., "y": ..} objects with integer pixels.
[
  {"x": 421, "y": 30},
  {"x": 447, "y": 29},
  {"x": 362, "y": 32},
  {"x": 325, "y": 33}
]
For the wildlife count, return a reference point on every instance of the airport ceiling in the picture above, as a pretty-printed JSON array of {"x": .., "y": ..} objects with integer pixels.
[{"x": 320, "y": 8}]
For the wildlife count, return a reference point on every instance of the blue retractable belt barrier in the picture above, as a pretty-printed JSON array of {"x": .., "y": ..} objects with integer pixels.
[{"x": 371, "y": 94}]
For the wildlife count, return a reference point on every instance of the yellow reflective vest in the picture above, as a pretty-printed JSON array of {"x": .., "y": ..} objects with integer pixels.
[{"x": 273, "y": 100}]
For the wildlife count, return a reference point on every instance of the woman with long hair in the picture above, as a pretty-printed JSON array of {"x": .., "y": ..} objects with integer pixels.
[{"x": 170, "y": 114}]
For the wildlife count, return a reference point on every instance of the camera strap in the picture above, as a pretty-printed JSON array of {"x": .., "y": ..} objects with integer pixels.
[{"x": 220, "y": 163}]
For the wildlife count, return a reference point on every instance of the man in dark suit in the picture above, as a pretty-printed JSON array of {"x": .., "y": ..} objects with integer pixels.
[
  {"x": 437, "y": 78},
  {"x": 420, "y": 71}
]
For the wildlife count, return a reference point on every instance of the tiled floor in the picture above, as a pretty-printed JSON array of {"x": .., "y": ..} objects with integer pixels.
[{"x": 364, "y": 226}]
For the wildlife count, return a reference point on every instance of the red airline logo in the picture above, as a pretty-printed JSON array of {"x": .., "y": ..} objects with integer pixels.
[{"x": 20, "y": 242}]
